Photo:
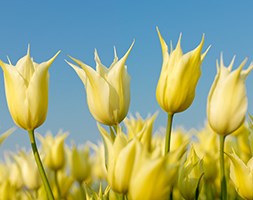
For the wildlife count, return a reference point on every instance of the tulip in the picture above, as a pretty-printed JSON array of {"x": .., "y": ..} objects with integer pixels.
[
  {"x": 121, "y": 157},
  {"x": 151, "y": 176},
  {"x": 178, "y": 80},
  {"x": 227, "y": 100},
  {"x": 80, "y": 164},
  {"x": 26, "y": 89},
  {"x": 179, "y": 77},
  {"x": 80, "y": 167},
  {"x": 242, "y": 176},
  {"x": 141, "y": 129},
  {"x": 226, "y": 106},
  {"x": 190, "y": 174},
  {"x": 108, "y": 90},
  {"x": 54, "y": 150},
  {"x": 29, "y": 171}
]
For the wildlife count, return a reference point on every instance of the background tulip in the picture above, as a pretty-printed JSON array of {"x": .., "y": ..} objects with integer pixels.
[{"x": 242, "y": 176}]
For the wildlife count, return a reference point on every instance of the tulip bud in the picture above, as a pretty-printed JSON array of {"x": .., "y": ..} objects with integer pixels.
[
  {"x": 242, "y": 176},
  {"x": 108, "y": 90},
  {"x": 121, "y": 157},
  {"x": 179, "y": 77},
  {"x": 151, "y": 176},
  {"x": 227, "y": 100},
  {"x": 141, "y": 129},
  {"x": 190, "y": 174},
  {"x": 54, "y": 150},
  {"x": 29, "y": 170},
  {"x": 26, "y": 89},
  {"x": 80, "y": 164}
]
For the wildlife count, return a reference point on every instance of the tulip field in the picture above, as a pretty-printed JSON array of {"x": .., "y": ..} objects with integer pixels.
[{"x": 133, "y": 160}]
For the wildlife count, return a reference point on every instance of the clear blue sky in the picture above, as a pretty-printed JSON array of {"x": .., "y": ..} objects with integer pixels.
[{"x": 78, "y": 27}]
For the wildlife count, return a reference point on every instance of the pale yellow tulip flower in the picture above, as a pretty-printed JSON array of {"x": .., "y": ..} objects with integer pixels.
[
  {"x": 121, "y": 157},
  {"x": 26, "y": 89},
  {"x": 53, "y": 148},
  {"x": 242, "y": 176},
  {"x": 108, "y": 89},
  {"x": 190, "y": 174},
  {"x": 29, "y": 171},
  {"x": 152, "y": 176},
  {"x": 80, "y": 164},
  {"x": 179, "y": 76},
  {"x": 227, "y": 100}
]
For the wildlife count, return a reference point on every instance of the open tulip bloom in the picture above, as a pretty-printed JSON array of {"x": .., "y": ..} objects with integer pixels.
[{"x": 26, "y": 89}]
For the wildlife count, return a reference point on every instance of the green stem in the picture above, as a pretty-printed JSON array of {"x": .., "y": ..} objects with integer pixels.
[
  {"x": 168, "y": 133},
  {"x": 112, "y": 134},
  {"x": 40, "y": 166},
  {"x": 82, "y": 190},
  {"x": 223, "y": 193},
  {"x": 57, "y": 184}
]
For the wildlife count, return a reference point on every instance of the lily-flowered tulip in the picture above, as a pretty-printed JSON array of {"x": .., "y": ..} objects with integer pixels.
[
  {"x": 190, "y": 174},
  {"x": 29, "y": 171},
  {"x": 54, "y": 150},
  {"x": 121, "y": 157},
  {"x": 227, "y": 100},
  {"x": 80, "y": 164},
  {"x": 26, "y": 89},
  {"x": 242, "y": 176},
  {"x": 108, "y": 89},
  {"x": 151, "y": 177},
  {"x": 179, "y": 77}
]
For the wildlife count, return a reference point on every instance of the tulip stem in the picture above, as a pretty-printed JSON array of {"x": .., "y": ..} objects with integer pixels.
[
  {"x": 112, "y": 134},
  {"x": 223, "y": 193},
  {"x": 57, "y": 184},
  {"x": 40, "y": 166},
  {"x": 168, "y": 133}
]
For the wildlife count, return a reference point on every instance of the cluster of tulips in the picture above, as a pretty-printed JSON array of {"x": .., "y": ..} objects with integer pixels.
[{"x": 133, "y": 162}]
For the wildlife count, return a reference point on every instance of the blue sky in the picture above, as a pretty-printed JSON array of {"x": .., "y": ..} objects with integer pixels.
[{"x": 78, "y": 27}]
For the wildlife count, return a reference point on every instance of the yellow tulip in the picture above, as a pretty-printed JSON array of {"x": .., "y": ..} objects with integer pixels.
[
  {"x": 108, "y": 90},
  {"x": 190, "y": 174},
  {"x": 141, "y": 129},
  {"x": 152, "y": 177},
  {"x": 80, "y": 164},
  {"x": 227, "y": 100},
  {"x": 242, "y": 176},
  {"x": 29, "y": 171},
  {"x": 121, "y": 157},
  {"x": 26, "y": 89},
  {"x": 99, "y": 171},
  {"x": 54, "y": 150},
  {"x": 179, "y": 77}
]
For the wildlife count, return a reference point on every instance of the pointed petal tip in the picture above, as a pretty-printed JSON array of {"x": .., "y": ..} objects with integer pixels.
[
  {"x": 50, "y": 61},
  {"x": 248, "y": 70},
  {"x": 242, "y": 64},
  {"x": 179, "y": 41},
  {"x": 206, "y": 51}
]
